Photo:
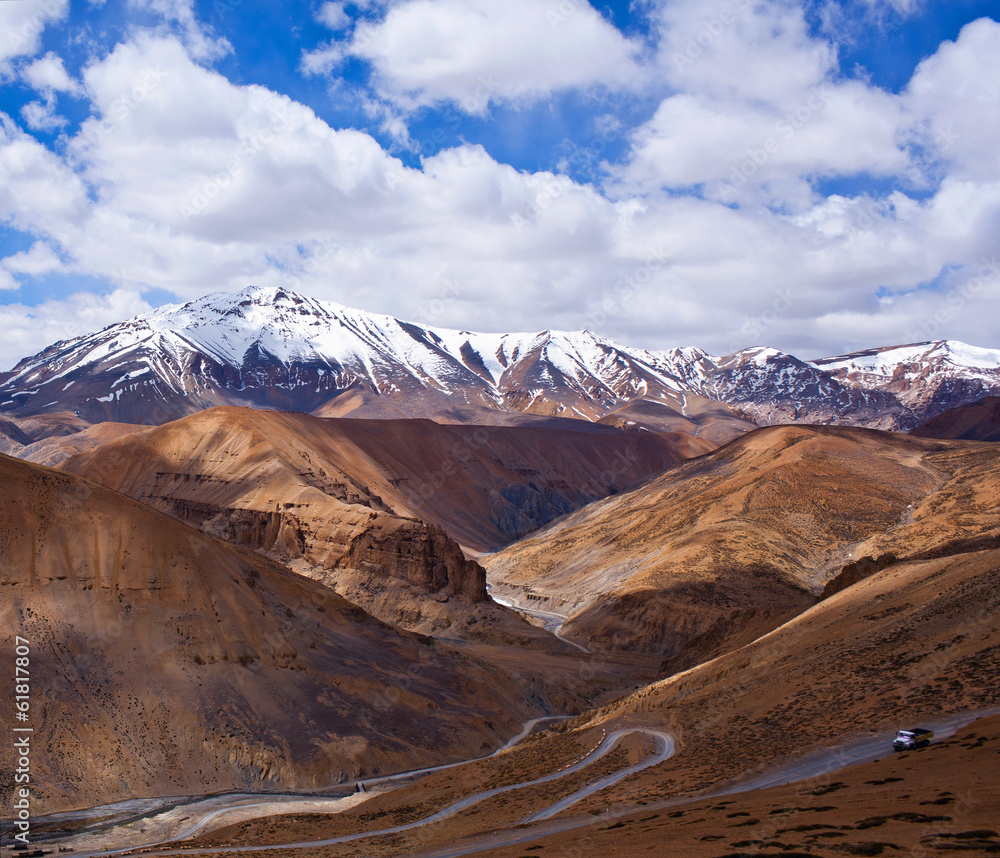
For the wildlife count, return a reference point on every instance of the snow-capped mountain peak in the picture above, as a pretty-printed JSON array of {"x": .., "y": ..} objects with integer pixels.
[{"x": 886, "y": 361}]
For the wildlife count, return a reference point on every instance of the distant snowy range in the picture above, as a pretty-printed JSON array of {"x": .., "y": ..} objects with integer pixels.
[{"x": 269, "y": 347}]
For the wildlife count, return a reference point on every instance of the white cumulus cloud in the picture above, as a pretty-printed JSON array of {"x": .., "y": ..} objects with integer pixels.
[
  {"x": 472, "y": 52},
  {"x": 333, "y": 15},
  {"x": 48, "y": 74},
  {"x": 22, "y": 25},
  {"x": 42, "y": 116}
]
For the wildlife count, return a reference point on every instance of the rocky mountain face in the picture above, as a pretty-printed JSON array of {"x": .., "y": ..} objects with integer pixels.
[
  {"x": 925, "y": 379},
  {"x": 169, "y": 662},
  {"x": 893, "y": 388},
  {"x": 271, "y": 348}
]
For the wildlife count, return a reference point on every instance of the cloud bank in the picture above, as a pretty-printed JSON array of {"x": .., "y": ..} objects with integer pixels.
[{"x": 762, "y": 177}]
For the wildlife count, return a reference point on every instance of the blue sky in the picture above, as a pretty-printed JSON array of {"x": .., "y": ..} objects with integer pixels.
[{"x": 662, "y": 172}]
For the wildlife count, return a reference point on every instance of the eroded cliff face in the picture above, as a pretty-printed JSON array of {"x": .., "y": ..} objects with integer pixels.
[
  {"x": 402, "y": 570},
  {"x": 412, "y": 575}
]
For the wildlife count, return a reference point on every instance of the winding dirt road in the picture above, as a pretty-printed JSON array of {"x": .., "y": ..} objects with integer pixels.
[
  {"x": 541, "y": 822},
  {"x": 160, "y": 820},
  {"x": 664, "y": 749},
  {"x": 822, "y": 762}
]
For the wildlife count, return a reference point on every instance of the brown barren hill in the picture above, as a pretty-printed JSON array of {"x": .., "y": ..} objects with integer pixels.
[
  {"x": 702, "y": 420},
  {"x": 724, "y": 548},
  {"x": 12, "y": 437},
  {"x": 368, "y": 506},
  {"x": 16, "y": 433},
  {"x": 56, "y": 449},
  {"x": 914, "y": 642},
  {"x": 977, "y": 422},
  {"x": 164, "y": 662}
]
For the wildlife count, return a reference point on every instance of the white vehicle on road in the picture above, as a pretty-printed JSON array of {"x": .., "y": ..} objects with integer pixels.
[{"x": 908, "y": 740}]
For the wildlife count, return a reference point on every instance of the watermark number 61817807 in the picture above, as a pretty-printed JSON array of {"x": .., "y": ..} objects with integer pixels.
[{"x": 22, "y": 739}]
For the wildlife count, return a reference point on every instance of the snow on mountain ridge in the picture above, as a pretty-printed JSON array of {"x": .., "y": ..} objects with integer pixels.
[
  {"x": 885, "y": 361},
  {"x": 270, "y": 347},
  {"x": 225, "y": 326},
  {"x": 269, "y": 337}
]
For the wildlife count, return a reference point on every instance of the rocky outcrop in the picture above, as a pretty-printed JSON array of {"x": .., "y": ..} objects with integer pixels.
[
  {"x": 279, "y": 534},
  {"x": 421, "y": 555},
  {"x": 852, "y": 573},
  {"x": 380, "y": 553}
]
